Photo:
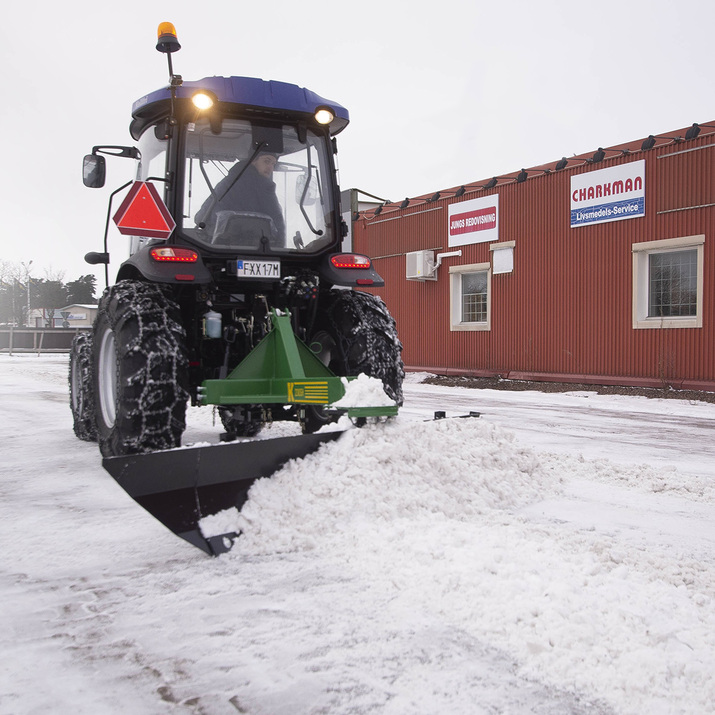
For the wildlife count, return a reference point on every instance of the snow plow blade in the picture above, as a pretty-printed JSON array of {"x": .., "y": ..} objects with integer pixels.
[{"x": 179, "y": 487}]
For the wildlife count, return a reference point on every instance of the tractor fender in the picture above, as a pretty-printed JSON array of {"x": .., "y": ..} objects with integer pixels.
[{"x": 142, "y": 265}]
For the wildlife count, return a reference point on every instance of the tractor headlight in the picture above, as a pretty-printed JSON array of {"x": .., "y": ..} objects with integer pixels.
[
  {"x": 203, "y": 100},
  {"x": 323, "y": 115}
]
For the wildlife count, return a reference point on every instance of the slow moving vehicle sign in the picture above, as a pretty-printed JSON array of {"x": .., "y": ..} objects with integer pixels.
[{"x": 144, "y": 213}]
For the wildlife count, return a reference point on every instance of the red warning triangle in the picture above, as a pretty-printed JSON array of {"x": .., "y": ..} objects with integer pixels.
[{"x": 144, "y": 213}]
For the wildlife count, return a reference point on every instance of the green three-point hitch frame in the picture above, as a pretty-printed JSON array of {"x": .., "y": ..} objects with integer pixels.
[{"x": 282, "y": 369}]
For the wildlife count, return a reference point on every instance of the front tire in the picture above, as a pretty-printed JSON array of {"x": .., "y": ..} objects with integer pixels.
[
  {"x": 140, "y": 370},
  {"x": 81, "y": 388}
]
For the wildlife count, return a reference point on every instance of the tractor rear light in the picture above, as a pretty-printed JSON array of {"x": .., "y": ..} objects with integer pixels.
[
  {"x": 173, "y": 254},
  {"x": 350, "y": 260}
]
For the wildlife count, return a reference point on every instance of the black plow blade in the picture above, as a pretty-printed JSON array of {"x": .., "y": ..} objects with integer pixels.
[{"x": 179, "y": 487}]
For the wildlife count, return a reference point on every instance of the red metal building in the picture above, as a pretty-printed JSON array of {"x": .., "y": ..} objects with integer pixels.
[{"x": 596, "y": 269}]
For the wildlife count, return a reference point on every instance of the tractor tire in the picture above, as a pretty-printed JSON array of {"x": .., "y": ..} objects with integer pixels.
[
  {"x": 356, "y": 334},
  {"x": 140, "y": 370},
  {"x": 81, "y": 389}
]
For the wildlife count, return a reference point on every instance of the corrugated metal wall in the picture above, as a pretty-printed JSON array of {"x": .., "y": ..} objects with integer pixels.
[{"x": 565, "y": 311}]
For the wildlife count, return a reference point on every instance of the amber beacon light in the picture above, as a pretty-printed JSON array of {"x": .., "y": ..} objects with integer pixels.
[{"x": 168, "y": 41}]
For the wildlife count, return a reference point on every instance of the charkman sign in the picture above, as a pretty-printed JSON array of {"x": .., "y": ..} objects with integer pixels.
[{"x": 610, "y": 194}]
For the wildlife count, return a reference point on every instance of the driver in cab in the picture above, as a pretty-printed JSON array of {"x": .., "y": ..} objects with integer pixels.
[{"x": 247, "y": 189}]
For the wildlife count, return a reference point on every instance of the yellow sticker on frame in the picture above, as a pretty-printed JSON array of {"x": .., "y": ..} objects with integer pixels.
[{"x": 308, "y": 392}]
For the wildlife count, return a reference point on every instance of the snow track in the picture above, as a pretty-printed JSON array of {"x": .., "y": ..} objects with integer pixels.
[{"x": 423, "y": 568}]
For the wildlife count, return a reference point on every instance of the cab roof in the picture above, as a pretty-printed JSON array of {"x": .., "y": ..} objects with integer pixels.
[{"x": 243, "y": 91}]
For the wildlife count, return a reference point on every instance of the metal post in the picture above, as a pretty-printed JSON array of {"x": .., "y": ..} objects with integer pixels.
[{"x": 27, "y": 279}]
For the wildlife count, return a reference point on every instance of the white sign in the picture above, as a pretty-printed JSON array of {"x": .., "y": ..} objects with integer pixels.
[
  {"x": 608, "y": 194},
  {"x": 502, "y": 260},
  {"x": 258, "y": 269},
  {"x": 474, "y": 221}
]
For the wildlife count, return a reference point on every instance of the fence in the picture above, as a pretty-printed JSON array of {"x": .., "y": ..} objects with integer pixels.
[{"x": 37, "y": 340}]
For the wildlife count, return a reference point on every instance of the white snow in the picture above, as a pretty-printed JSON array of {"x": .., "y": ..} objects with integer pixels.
[
  {"x": 554, "y": 555},
  {"x": 363, "y": 391}
]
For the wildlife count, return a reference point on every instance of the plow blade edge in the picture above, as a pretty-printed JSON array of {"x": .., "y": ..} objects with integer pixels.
[{"x": 179, "y": 487}]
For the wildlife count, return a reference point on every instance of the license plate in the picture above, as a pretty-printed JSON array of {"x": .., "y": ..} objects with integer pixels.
[{"x": 258, "y": 269}]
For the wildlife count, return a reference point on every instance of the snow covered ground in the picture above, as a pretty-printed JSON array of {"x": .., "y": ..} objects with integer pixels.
[{"x": 553, "y": 556}]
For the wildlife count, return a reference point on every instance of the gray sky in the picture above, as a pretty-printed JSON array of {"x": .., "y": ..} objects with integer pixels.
[{"x": 439, "y": 94}]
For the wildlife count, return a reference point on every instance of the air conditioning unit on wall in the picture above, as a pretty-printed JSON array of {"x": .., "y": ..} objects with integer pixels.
[{"x": 420, "y": 266}]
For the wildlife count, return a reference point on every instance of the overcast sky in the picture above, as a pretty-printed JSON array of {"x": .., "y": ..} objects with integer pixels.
[{"x": 439, "y": 94}]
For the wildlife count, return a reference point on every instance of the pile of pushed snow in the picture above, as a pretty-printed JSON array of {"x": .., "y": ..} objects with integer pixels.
[
  {"x": 363, "y": 391},
  {"x": 448, "y": 469}
]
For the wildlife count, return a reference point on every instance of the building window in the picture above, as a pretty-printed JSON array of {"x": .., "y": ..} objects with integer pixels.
[
  {"x": 673, "y": 283},
  {"x": 668, "y": 283},
  {"x": 474, "y": 297},
  {"x": 470, "y": 288}
]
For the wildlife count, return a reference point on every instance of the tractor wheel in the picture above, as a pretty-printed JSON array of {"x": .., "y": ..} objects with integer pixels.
[
  {"x": 356, "y": 334},
  {"x": 81, "y": 389},
  {"x": 140, "y": 370}
]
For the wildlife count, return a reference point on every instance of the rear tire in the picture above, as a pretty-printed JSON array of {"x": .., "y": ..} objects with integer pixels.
[
  {"x": 140, "y": 370},
  {"x": 81, "y": 389},
  {"x": 356, "y": 334}
]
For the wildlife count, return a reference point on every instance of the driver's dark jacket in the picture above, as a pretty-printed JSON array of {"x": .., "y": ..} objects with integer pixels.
[{"x": 252, "y": 192}]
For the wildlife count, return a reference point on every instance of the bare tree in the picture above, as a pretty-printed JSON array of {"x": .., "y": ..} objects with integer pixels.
[
  {"x": 13, "y": 293},
  {"x": 53, "y": 275}
]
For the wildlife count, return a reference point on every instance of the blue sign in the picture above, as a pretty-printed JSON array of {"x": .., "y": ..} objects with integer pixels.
[
  {"x": 629, "y": 208},
  {"x": 611, "y": 194}
]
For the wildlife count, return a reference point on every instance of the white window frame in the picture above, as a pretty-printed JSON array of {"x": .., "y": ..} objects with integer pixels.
[
  {"x": 641, "y": 253},
  {"x": 455, "y": 296}
]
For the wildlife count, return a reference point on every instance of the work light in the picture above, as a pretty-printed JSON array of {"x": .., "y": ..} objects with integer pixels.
[
  {"x": 202, "y": 100},
  {"x": 324, "y": 115}
]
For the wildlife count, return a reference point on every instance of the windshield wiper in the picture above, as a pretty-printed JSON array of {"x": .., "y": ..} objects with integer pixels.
[{"x": 317, "y": 232}]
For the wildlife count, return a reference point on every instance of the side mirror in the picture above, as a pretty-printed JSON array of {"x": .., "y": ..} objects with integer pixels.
[
  {"x": 94, "y": 171},
  {"x": 94, "y": 258}
]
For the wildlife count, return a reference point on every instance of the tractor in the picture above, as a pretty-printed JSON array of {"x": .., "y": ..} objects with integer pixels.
[{"x": 236, "y": 294}]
